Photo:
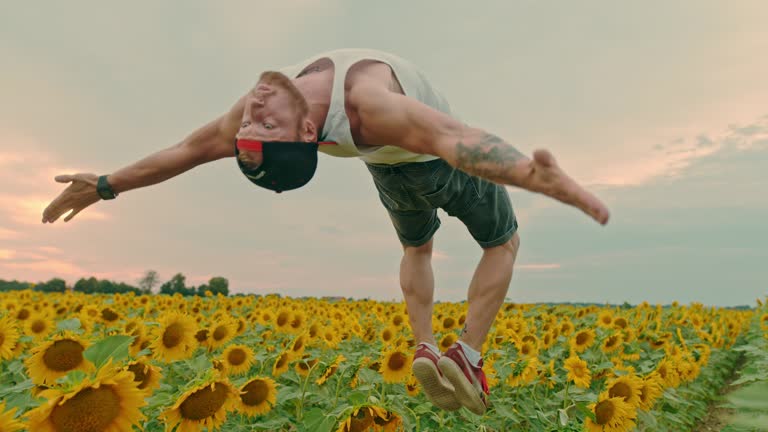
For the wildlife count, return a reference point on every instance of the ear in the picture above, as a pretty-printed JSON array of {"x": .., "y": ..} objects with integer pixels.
[{"x": 307, "y": 131}]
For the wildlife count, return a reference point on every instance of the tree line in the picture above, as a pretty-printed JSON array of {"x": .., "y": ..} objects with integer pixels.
[{"x": 145, "y": 285}]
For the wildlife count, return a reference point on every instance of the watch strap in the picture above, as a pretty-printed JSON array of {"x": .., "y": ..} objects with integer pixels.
[{"x": 104, "y": 189}]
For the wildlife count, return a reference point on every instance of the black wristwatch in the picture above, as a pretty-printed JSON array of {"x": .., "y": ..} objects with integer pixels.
[{"x": 104, "y": 189}]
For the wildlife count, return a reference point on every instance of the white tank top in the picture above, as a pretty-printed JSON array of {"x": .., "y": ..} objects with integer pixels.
[{"x": 336, "y": 128}]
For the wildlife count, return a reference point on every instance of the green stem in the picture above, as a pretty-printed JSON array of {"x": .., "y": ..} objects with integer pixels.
[
  {"x": 565, "y": 396},
  {"x": 300, "y": 408}
]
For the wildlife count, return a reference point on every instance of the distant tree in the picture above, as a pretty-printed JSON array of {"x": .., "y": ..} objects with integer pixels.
[
  {"x": 150, "y": 279},
  {"x": 177, "y": 284},
  {"x": 216, "y": 285},
  {"x": 53, "y": 285}
]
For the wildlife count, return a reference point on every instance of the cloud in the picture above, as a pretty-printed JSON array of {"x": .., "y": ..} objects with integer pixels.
[
  {"x": 6, "y": 234},
  {"x": 671, "y": 160}
]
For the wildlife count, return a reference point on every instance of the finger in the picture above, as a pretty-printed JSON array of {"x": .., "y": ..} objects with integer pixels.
[
  {"x": 72, "y": 214},
  {"x": 64, "y": 178}
]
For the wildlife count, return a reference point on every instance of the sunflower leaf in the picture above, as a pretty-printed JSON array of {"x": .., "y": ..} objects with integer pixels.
[
  {"x": 114, "y": 347},
  {"x": 68, "y": 324}
]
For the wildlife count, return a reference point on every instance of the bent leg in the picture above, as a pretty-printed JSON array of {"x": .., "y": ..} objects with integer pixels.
[
  {"x": 418, "y": 285},
  {"x": 487, "y": 291}
]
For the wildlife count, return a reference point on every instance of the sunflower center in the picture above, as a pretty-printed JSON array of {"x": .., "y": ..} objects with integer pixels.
[
  {"x": 38, "y": 326},
  {"x": 604, "y": 412},
  {"x": 172, "y": 335},
  {"x": 360, "y": 422},
  {"x": 282, "y": 360},
  {"x": 138, "y": 374},
  {"x": 236, "y": 357},
  {"x": 582, "y": 338},
  {"x": 220, "y": 333},
  {"x": 299, "y": 344},
  {"x": 620, "y": 389},
  {"x": 396, "y": 361},
  {"x": 204, "y": 403},
  {"x": 109, "y": 315},
  {"x": 449, "y": 322},
  {"x": 201, "y": 335},
  {"x": 397, "y": 320},
  {"x": 256, "y": 392},
  {"x": 90, "y": 410},
  {"x": 282, "y": 319},
  {"x": 63, "y": 355},
  {"x": 612, "y": 341},
  {"x": 2, "y": 338},
  {"x": 22, "y": 315}
]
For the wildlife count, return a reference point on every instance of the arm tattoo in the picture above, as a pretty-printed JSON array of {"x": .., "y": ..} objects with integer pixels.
[{"x": 489, "y": 157}]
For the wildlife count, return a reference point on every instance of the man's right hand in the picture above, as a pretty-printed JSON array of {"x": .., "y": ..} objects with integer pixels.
[{"x": 78, "y": 195}]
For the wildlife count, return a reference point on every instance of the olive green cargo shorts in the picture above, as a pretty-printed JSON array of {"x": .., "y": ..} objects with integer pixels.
[{"x": 412, "y": 193}]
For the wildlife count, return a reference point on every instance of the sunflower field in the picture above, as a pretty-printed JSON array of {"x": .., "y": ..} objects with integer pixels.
[{"x": 89, "y": 363}]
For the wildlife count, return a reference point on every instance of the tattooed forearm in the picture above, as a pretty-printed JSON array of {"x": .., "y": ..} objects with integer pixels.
[{"x": 487, "y": 156}]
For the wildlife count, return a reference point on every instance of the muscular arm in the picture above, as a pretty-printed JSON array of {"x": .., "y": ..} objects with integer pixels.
[
  {"x": 388, "y": 118},
  {"x": 208, "y": 143}
]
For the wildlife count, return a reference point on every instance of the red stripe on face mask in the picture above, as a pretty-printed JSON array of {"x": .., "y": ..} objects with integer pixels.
[{"x": 243, "y": 144}]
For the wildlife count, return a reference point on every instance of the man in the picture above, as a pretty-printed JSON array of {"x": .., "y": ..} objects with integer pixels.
[{"x": 380, "y": 108}]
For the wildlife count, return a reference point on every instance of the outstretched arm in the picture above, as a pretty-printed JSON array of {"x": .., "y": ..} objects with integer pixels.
[
  {"x": 208, "y": 143},
  {"x": 388, "y": 118}
]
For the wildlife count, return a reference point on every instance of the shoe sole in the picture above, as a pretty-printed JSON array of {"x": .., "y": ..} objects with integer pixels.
[
  {"x": 465, "y": 392},
  {"x": 435, "y": 388}
]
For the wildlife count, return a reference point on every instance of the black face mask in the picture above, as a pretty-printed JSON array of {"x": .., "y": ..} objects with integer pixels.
[{"x": 286, "y": 165}]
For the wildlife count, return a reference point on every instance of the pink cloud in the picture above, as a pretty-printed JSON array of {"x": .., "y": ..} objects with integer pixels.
[{"x": 6, "y": 234}]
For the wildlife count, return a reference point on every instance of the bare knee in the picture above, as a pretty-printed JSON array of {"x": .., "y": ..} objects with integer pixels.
[
  {"x": 511, "y": 246},
  {"x": 423, "y": 250}
]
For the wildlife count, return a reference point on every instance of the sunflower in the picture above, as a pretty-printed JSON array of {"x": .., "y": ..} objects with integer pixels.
[
  {"x": 395, "y": 365},
  {"x": 412, "y": 387},
  {"x": 176, "y": 337},
  {"x": 331, "y": 337},
  {"x": 650, "y": 391},
  {"x": 147, "y": 376},
  {"x": 257, "y": 396},
  {"x": 9, "y": 335},
  {"x": 449, "y": 323},
  {"x": 605, "y": 319},
  {"x": 397, "y": 320},
  {"x": 365, "y": 418},
  {"x": 110, "y": 402},
  {"x": 283, "y": 320},
  {"x": 523, "y": 371},
  {"x": 297, "y": 321},
  {"x": 612, "y": 343},
  {"x": 237, "y": 359},
  {"x": 108, "y": 316},
  {"x": 7, "y": 421},
  {"x": 582, "y": 340},
  {"x": 388, "y": 334},
  {"x": 447, "y": 341},
  {"x": 764, "y": 321},
  {"x": 54, "y": 359},
  {"x": 528, "y": 349},
  {"x": 625, "y": 386},
  {"x": 202, "y": 406},
  {"x": 38, "y": 326},
  {"x": 667, "y": 372},
  {"x": 578, "y": 371},
  {"x": 611, "y": 415},
  {"x": 298, "y": 345},
  {"x": 303, "y": 366},
  {"x": 281, "y": 363},
  {"x": 221, "y": 332},
  {"x": 330, "y": 369}
]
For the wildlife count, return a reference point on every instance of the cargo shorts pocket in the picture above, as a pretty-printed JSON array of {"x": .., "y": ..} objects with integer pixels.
[{"x": 457, "y": 192}]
